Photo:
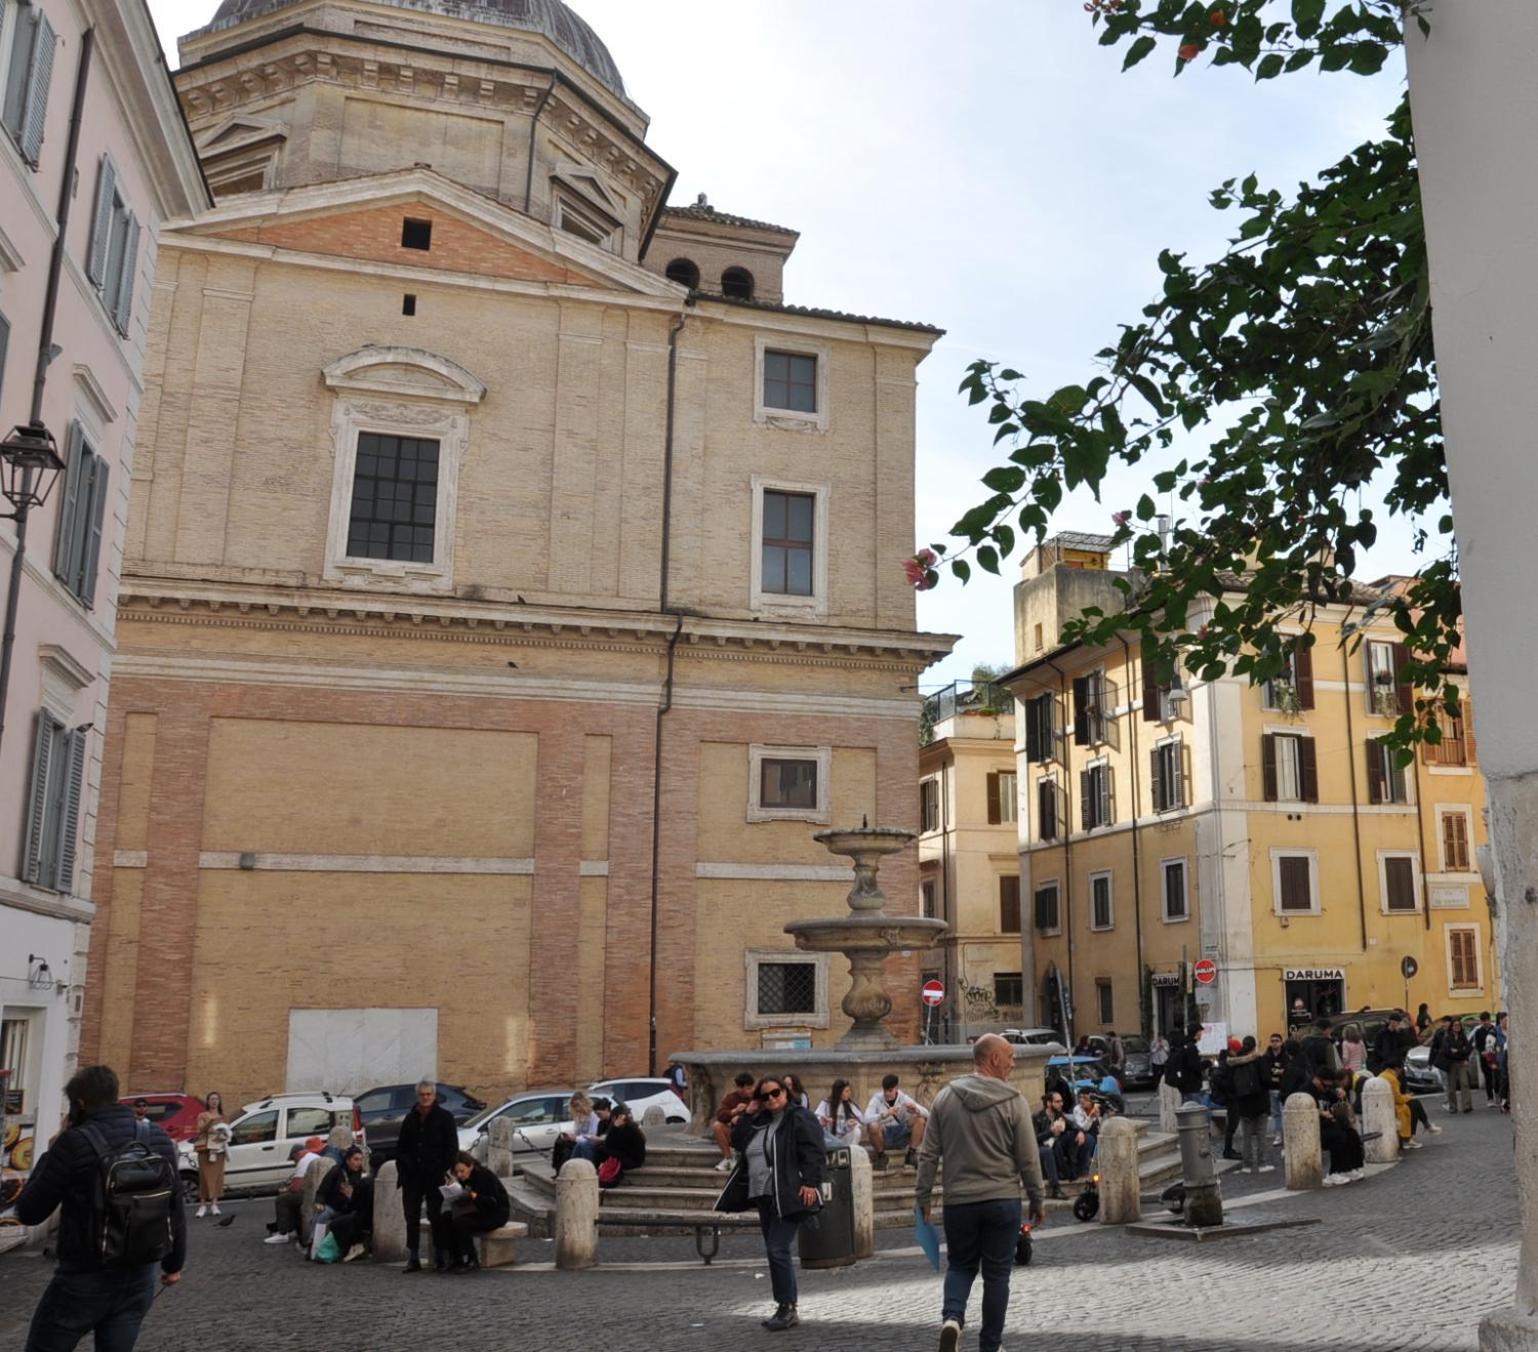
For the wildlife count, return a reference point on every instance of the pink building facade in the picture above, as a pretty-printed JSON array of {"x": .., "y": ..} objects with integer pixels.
[{"x": 85, "y": 98}]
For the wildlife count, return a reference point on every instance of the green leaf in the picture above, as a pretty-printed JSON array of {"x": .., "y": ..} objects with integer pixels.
[
  {"x": 988, "y": 557},
  {"x": 961, "y": 569},
  {"x": 1138, "y": 51},
  {"x": 1270, "y": 66},
  {"x": 1005, "y": 479},
  {"x": 1307, "y": 15}
]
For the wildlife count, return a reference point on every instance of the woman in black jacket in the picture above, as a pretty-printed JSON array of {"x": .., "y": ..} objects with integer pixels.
[
  {"x": 780, "y": 1160},
  {"x": 624, "y": 1141},
  {"x": 349, "y": 1193},
  {"x": 482, "y": 1206}
]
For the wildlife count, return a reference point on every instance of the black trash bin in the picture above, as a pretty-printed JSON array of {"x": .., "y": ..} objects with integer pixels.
[{"x": 827, "y": 1238}]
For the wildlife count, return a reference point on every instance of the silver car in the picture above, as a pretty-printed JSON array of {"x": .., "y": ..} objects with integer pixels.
[
  {"x": 538, "y": 1117},
  {"x": 1420, "y": 1075}
]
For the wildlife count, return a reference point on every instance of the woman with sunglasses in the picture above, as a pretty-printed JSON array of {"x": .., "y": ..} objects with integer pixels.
[{"x": 779, "y": 1172}]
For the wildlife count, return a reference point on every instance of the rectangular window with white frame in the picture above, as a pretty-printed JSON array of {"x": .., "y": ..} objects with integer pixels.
[
  {"x": 53, "y": 804},
  {"x": 1289, "y": 768},
  {"x": 113, "y": 252},
  {"x": 790, "y": 547},
  {"x": 1167, "y": 774},
  {"x": 1465, "y": 960},
  {"x": 1455, "y": 836},
  {"x": 1295, "y": 882},
  {"x": 1177, "y": 902},
  {"x": 586, "y": 222},
  {"x": 1097, "y": 803},
  {"x": 789, "y": 783},
  {"x": 1002, "y": 806},
  {"x": 1386, "y": 778},
  {"x": 28, "y": 77},
  {"x": 1398, "y": 882},
  {"x": 785, "y": 989},
  {"x": 1383, "y": 661},
  {"x": 77, "y": 545},
  {"x": 1102, "y": 912},
  {"x": 791, "y": 383},
  {"x": 929, "y": 804}
]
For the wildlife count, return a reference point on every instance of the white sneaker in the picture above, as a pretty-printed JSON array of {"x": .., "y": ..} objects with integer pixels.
[
  {"x": 1276, "y": 1140},
  {"x": 950, "y": 1335},
  {"x": 277, "y": 1239},
  {"x": 357, "y": 1251},
  {"x": 1332, "y": 1181},
  {"x": 1357, "y": 1175},
  {"x": 725, "y": 1167},
  {"x": 214, "y": 1210},
  {"x": 202, "y": 1211},
  {"x": 1411, "y": 1145},
  {"x": 1435, "y": 1130},
  {"x": 1266, "y": 1169}
]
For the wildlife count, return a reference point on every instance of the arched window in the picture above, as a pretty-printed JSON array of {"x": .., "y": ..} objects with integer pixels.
[
  {"x": 686, "y": 272},
  {"x": 737, "y": 284}
]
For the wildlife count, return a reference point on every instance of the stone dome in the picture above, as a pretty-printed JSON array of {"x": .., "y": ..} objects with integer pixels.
[{"x": 550, "y": 17}]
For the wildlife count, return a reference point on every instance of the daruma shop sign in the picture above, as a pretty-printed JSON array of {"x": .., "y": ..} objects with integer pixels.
[{"x": 1313, "y": 974}]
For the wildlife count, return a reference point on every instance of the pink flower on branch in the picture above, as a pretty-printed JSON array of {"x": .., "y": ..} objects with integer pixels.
[{"x": 919, "y": 570}]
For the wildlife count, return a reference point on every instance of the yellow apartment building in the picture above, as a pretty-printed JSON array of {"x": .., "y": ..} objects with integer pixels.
[
  {"x": 1263, "y": 827},
  {"x": 969, "y": 858}
]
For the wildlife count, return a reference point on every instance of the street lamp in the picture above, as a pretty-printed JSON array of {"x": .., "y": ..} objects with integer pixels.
[{"x": 29, "y": 468}]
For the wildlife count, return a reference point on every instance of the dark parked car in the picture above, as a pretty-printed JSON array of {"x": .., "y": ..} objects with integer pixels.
[{"x": 384, "y": 1109}]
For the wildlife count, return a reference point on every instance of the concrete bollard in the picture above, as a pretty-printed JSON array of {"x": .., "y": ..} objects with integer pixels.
[
  {"x": 500, "y": 1133},
  {"x": 862, "y": 1186},
  {"x": 499, "y": 1161},
  {"x": 1378, "y": 1116},
  {"x": 654, "y": 1117},
  {"x": 1169, "y": 1100},
  {"x": 312, "y": 1180},
  {"x": 1121, "y": 1199},
  {"x": 576, "y": 1216},
  {"x": 1300, "y": 1139},
  {"x": 389, "y": 1242}
]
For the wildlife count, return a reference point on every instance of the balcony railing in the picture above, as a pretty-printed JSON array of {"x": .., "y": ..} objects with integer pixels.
[{"x": 967, "y": 697}]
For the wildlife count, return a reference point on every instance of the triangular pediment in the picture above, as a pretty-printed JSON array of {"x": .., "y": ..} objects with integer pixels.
[
  {"x": 362, "y": 220},
  {"x": 238, "y": 131}
]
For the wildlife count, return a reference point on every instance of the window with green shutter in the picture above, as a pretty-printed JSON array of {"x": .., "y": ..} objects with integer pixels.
[
  {"x": 24, "y": 107},
  {"x": 53, "y": 804},
  {"x": 82, "y": 515}
]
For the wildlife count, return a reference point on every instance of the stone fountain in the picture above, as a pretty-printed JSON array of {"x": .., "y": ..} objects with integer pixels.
[{"x": 867, "y": 936}]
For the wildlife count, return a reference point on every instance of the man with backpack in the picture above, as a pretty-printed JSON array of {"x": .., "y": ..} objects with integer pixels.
[{"x": 114, "y": 1181}]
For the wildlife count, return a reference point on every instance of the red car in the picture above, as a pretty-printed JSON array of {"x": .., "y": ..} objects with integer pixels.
[{"x": 174, "y": 1114}]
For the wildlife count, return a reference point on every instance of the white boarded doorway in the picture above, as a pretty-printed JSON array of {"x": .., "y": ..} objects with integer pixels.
[{"x": 345, "y": 1051}]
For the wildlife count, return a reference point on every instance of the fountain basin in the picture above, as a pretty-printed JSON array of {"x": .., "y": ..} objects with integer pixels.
[{"x": 865, "y": 933}]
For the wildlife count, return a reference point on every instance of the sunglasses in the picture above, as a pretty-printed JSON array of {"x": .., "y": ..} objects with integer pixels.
[{"x": 773, "y": 1093}]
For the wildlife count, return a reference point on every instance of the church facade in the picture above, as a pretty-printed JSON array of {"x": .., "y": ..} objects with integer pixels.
[{"x": 512, "y": 586}]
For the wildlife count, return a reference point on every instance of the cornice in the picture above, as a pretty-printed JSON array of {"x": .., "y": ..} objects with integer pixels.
[{"x": 445, "y": 620}]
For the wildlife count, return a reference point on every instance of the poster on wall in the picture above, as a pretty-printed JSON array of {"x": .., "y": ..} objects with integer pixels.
[{"x": 16, "y": 1149}]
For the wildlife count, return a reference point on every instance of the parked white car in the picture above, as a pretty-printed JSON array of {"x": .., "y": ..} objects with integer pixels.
[
  {"x": 642, "y": 1093},
  {"x": 537, "y": 1117},
  {"x": 264, "y": 1134}
]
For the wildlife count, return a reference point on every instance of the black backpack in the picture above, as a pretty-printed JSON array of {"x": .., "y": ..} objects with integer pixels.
[
  {"x": 1244, "y": 1080},
  {"x": 135, "y": 1199}
]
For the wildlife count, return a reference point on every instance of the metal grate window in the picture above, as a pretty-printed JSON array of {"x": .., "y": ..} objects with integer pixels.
[
  {"x": 394, "y": 498},
  {"x": 787, "y": 988}
]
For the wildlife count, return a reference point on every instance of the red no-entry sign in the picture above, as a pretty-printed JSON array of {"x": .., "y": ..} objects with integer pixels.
[
  {"x": 933, "y": 993},
  {"x": 1205, "y": 971}
]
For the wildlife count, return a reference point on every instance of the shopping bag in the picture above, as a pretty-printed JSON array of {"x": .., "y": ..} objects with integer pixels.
[{"x": 329, "y": 1251}]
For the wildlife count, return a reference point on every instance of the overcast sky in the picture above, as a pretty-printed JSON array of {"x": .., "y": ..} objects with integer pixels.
[{"x": 980, "y": 165}]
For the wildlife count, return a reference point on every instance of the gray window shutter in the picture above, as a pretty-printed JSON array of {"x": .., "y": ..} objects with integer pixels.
[
  {"x": 37, "y": 91},
  {"x": 75, "y": 471},
  {"x": 43, "y": 749},
  {"x": 101, "y": 222},
  {"x": 1156, "y": 779},
  {"x": 122, "y": 309},
  {"x": 5, "y": 324},
  {"x": 1176, "y": 788},
  {"x": 16, "y": 73},
  {"x": 92, "y": 521},
  {"x": 73, "y": 763}
]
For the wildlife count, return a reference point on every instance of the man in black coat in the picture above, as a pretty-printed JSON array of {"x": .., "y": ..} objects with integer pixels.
[
  {"x": 424, "y": 1154},
  {"x": 83, "y": 1295}
]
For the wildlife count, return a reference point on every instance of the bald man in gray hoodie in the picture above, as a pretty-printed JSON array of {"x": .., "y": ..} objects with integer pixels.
[{"x": 980, "y": 1134}]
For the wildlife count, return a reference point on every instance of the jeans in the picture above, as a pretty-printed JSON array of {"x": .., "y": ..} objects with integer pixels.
[
  {"x": 584, "y": 1149},
  {"x": 1491, "y": 1077},
  {"x": 1048, "y": 1155},
  {"x": 1276, "y": 1112},
  {"x": 981, "y": 1234},
  {"x": 286, "y": 1208},
  {"x": 778, "y": 1234},
  {"x": 113, "y": 1304},
  {"x": 1252, "y": 1141}
]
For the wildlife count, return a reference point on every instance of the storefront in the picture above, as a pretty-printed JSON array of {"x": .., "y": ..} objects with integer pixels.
[
  {"x": 1169, "y": 1002},
  {"x": 1313, "y": 993}
]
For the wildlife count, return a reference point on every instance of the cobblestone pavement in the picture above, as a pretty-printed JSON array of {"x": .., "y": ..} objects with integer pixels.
[{"x": 1408, "y": 1259}]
